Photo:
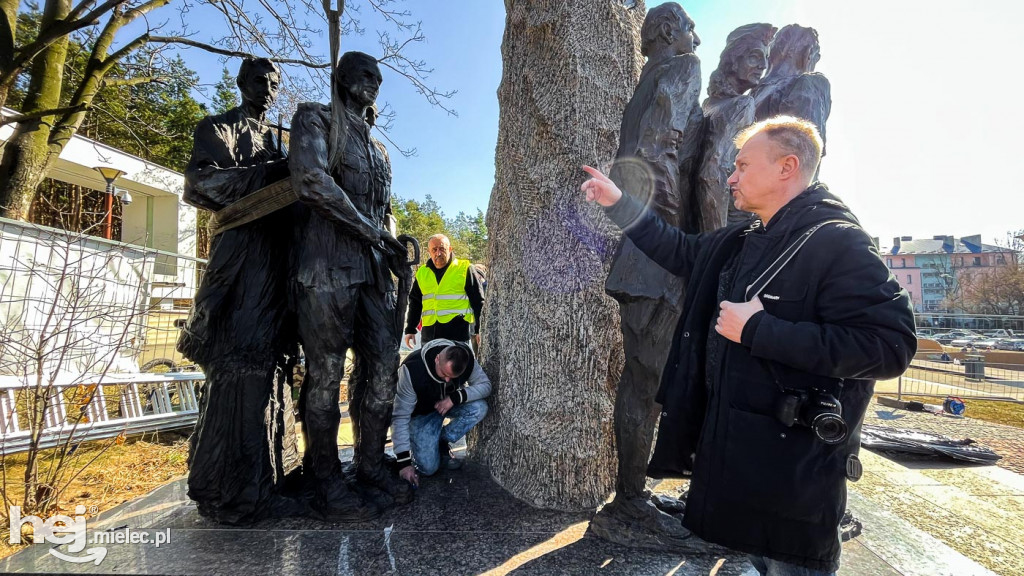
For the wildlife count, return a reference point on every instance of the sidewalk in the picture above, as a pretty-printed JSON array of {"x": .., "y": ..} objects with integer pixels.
[
  {"x": 1007, "y": 441},
  {"x": 976, "y": 510},
  {"x": 463, "y": 523}
]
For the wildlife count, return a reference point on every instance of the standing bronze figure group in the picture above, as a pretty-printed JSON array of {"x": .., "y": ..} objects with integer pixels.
[
  {"x": 676, "y": 155},
  {"x": 314, "y": 269}
]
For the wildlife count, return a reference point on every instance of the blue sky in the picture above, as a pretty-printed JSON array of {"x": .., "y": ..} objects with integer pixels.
[{"x": 926, "y": 98}]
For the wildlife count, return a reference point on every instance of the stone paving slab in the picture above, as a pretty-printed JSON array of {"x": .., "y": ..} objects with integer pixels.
[
  {"x": 970, "y": 512},
  {"x": 460, "y": 523},
  {"x": 920, "y": 517},
  {"x": 912, "y": 552}
]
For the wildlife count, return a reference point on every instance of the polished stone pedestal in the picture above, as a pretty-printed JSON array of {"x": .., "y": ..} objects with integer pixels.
[{"x": 461, "y": 522}]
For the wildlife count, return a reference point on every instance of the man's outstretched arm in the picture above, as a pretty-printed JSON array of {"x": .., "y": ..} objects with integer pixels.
[{"x": 666, "y": 245}]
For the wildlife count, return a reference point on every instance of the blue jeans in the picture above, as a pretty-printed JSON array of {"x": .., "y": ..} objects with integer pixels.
[
  {"x": 426, "y": 432},
  {"x": 769, "y": 567}
]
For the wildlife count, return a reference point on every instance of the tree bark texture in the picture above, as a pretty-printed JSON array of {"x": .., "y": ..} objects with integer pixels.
[
  {"x": 26, "y": 157},
  {"x": 552, "y": 344},
  {"x": 8, "y": 27}
]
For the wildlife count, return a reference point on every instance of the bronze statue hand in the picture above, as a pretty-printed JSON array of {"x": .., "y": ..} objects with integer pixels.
[{"x": 393, "y": 246}]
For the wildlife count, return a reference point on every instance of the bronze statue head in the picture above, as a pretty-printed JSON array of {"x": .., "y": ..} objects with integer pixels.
[
  {"x": 668, "y": 29},
  {"x": 258, "y": 80},
  {"x": 357, "y": 79},
  {"x": 797, "y": 46},
  {"x": 743, "y": 60}
]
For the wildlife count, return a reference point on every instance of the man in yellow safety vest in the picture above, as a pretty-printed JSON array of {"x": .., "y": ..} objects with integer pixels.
[{"x": 447, "y": 296}]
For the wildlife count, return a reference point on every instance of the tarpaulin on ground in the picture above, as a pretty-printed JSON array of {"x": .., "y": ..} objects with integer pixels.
[{"x": 885, "y": 439}]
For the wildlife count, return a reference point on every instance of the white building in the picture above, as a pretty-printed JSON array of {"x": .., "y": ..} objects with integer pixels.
[
  {"x": 156, "y": 218},
  {"x": 113, "y": 302}
]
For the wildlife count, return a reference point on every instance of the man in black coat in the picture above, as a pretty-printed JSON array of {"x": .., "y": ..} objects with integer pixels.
[{"x": 830, "y": 322}]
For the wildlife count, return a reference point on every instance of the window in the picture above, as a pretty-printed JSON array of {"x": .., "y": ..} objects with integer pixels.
[
  {"x": 888, "y": 262},
  {"x": 903, "y": 262},
  {"x": 910, "y": 279},
  {"x": 977, "y": 260}
]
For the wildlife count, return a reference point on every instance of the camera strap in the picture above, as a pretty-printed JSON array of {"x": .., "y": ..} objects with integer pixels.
[{"x": 772, "y": 271}]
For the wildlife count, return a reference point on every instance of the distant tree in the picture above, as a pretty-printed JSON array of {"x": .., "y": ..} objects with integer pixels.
[
  {"x": 225, "y": 93},
  {"x": 471, "y": 233},
  {"x": 998, "y": 290},
  {"x": 421, "y": 220}
]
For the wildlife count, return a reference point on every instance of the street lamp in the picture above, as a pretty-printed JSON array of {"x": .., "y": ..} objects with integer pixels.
[{"x": 109, "y": 175}]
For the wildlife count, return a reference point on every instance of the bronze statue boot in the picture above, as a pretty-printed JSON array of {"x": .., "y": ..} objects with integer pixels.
[
  {"x": 639, "y": 523},
  {"x": 336, "y": 503}
]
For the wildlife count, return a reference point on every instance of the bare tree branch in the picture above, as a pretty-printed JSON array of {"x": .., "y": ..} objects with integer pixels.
[{"x": 233, "y": 53}]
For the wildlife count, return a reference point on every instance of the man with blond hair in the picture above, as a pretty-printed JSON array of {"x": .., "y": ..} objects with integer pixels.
[{"x": 788, "y": 320}]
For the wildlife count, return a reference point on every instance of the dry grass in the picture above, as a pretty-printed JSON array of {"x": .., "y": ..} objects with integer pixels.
[
  {"x": 1008, "y": 413},
  {"x": 119, "y": 473}
]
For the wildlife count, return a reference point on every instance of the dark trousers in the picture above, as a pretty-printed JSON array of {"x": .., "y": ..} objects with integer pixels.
[{"x": 333, "y": 317}]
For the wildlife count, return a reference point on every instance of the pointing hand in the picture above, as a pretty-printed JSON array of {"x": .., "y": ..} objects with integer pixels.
[{"x": 600, "y": 188}]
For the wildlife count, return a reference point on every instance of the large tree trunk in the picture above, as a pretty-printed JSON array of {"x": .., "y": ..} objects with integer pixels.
[
  {"x": 8, "y": 27},
  {"x": 552, "y": 344},
  {"x": 27, "y": 156}
]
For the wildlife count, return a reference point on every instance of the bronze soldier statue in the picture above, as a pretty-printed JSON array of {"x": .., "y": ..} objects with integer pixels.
[{"x": 342, "y": 290}]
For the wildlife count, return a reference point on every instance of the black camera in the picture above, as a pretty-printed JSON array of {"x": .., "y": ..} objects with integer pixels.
[{"x": 819, "y": 411}]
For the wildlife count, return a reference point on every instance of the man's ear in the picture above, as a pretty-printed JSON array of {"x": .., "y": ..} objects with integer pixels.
[{"x": 789, "y": 166}]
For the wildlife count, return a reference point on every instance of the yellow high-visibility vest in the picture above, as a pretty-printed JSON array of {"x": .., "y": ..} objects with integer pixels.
[{"x": 444, "y": 301}]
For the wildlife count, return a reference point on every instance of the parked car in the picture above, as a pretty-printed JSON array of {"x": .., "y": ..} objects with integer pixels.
[
  {"x": 949, "y": 337},
  {"x": 986, "y": 343},
  {"x": 998, "y": 333},
  {"x": 1012, "y": 344}
]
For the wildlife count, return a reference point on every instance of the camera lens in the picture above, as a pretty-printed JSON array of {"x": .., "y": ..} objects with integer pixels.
[{"x": 830, "y": 428}]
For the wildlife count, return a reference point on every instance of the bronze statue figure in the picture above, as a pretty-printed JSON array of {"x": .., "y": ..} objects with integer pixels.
[
  {"x": 342, "y": 290},
  {"x": 791, "y": 86},
  {"x": 658, "y": 150},
  {"x": 236, "y": 330},
  {"x": 727, "y": 110}
]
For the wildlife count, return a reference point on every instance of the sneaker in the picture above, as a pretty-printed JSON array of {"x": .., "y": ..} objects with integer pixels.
[{"x": 448, "y": 459}]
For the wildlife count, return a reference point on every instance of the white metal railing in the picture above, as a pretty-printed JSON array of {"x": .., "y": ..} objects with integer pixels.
[{"x": 146, "y": 403}]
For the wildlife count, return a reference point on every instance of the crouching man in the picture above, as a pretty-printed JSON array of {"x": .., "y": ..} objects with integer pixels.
[{"x": 440, "y": 380}]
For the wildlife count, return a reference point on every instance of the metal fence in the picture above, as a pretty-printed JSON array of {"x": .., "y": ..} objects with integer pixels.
[
  {"x": 94, "y": 408},
  {"x": 992, "y": 375},
  {"x": 81, "y": 321},
  {"x": 933, "y": 322},
  {"x": 939, "y": 369},
  {"x": 75, "y": 303}
]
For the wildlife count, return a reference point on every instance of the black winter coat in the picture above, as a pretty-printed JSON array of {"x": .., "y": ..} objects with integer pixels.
[{"x": 835, "y": 319}]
